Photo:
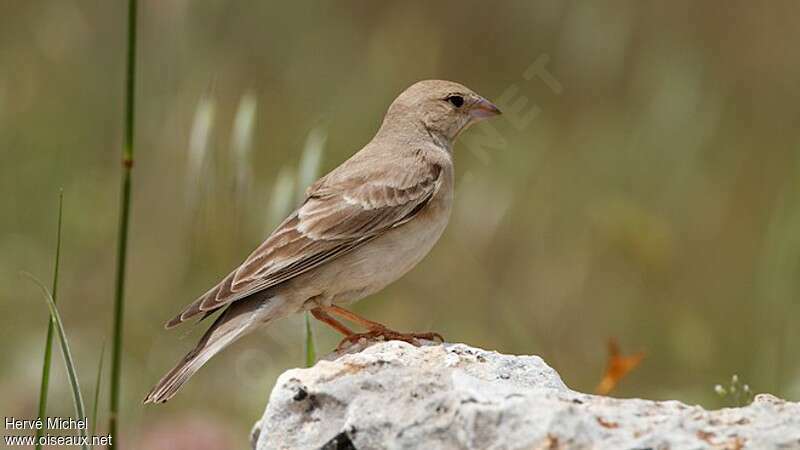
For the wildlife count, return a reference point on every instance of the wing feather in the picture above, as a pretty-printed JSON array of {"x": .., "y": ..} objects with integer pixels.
[{"x": 339, "y": 215}]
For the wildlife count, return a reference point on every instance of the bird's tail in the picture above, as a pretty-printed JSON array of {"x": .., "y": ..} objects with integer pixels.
[{"x": 232, "y": 324}]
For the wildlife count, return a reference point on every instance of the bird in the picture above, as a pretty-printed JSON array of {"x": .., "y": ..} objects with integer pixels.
[{"x": 359, "y": 228}]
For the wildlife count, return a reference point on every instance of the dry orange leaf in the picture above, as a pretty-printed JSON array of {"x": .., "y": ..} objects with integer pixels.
[{"x": 618, "y": 367}]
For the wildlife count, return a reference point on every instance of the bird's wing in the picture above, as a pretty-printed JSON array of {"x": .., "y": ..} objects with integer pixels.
[{"x": 338, "y": 215}]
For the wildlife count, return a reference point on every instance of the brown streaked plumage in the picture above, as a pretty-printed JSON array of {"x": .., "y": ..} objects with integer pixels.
[{"x": 361, "y": 227}]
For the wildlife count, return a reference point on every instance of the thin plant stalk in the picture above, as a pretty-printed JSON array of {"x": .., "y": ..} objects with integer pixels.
[
  {"x": 48, "y": 345},
  {"x": 281, "y": 198},
  {"x": 72, "y": 374},
  {"x": 242, "y": 143},
  {"x": 309, "y": 167},
  {"x": 98, "y": 382},
  {"x": 311, "y": 349},
  {"x": 200, "y": 162},
  {"x": 310, "y": 160},
  {"x": 122, "y": 243}
]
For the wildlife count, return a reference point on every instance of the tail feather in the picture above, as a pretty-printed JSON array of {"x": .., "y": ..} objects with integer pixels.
[
  {"x": 169, "y": 385},
  {"x": 174, "y": 379},
  {"x": 232, "y": 324}
]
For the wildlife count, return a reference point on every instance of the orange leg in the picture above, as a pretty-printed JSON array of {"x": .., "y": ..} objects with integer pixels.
[
  {"x": 375, "y": 329},
  {"x": 323, "y": 317},
  {"x": 355, "y": 318}
]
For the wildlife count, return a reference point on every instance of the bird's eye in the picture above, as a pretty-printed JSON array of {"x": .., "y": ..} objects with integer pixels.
[{"x": 456, "y": 100}]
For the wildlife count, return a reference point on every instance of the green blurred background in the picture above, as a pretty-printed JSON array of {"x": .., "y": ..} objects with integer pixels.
[{"x": 649, "y": 191}]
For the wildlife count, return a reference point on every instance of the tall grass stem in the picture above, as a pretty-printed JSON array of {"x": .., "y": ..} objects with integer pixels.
[
  {"x": 306, "y": 173},
  {"x": 200, "y": 165},
  {"x": 97, "y": 383},
  {"x": 311, "y": 348},
  {"x": 122, "y": 242}
]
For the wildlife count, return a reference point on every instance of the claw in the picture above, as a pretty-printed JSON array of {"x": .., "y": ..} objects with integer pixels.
[{"x": 389, "y": 335}]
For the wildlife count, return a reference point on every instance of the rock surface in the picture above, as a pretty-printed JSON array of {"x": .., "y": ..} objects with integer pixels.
[{"x": 392, "y": 395}]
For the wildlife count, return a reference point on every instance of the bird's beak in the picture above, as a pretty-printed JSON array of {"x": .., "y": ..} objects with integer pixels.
[{"x": 483, "y": 109}]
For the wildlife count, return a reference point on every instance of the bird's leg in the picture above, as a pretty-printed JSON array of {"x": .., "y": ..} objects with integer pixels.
[
  {"x": 355, "y": 318},
  {"x": 377, "y": 329},
  {"x": 325, "y": 318}
]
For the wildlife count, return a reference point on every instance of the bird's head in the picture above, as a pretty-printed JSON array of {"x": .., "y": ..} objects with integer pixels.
[{"x": 442, "y": 108}]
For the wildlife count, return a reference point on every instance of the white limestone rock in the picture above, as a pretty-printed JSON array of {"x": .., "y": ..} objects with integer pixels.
[{"x": 392, "y": 395}]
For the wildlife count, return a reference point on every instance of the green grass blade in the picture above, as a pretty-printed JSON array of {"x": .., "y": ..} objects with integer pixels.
[
  {"x": 72, "y": 374},
  {"x": 97, "y": 384},
  {"x": 281, "y": 198},
  {"x": 48, "y": 345},
  {"x": 122, "y": 237},
  {"x": 310, "y": 160},
  {"x": 311, "y": 350},
  {"x": 306, "y": 173}
]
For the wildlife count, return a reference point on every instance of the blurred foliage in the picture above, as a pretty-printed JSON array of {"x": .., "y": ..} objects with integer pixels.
[
  {"x": 650, "y": 194},
  {"x": 617, "y": 368},
  {"x": 736, "y": 392}
]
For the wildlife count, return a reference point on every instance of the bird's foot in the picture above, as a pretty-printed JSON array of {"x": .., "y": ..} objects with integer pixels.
[{"x": 389, "y": 335}]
